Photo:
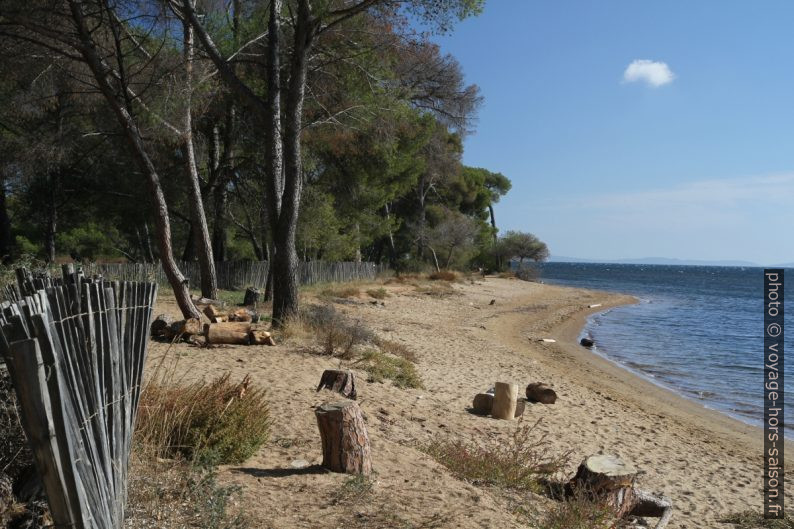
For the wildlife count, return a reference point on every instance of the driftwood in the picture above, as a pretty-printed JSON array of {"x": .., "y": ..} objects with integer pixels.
[
  {"x": 344, "y": 438},
  {"x": 342, "y": 382},
  {"x": 504, "y": 401},
  {"x": 539, "y": 392},
  {"x": 611, "y": 479}
]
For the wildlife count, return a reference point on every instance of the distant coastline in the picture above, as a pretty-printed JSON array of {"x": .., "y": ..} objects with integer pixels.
[{"x": 666, "y": 261}]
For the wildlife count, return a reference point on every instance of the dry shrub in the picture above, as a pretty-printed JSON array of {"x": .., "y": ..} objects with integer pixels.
[
  {"x": 438, "y": 290},
  {"x": 397, "y": 349},
  {"x": 519, "y": 463},
  {"x": 15, "y": 453},
  {"x": 172, "y": 494},
  {"x": 579, "y": 512},
  {"x": 755, "y": 520},
  {"x": 336, "y": 334},
  {"x": 378, "y": 293},
  {"x": 209, "y": 423},
  {"x": 528, "y": 274},
  {"x": 381, "y": 366},
  {"x": 507, "y": 275},
  {"x": 355, "y": 490},
  {"x": 443, "y": 275}
]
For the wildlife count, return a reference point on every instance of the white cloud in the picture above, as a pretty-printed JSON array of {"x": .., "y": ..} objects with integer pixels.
[{"x": 651, "y": 72}]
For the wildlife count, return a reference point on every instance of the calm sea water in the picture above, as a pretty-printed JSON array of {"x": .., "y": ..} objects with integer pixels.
[{"x": 697, "y": 330}]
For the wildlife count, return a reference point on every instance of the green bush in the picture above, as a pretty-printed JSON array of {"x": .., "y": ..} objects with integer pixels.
[
  {"x": 381, "y": 366},
  {"x": 208, "y": 423}
]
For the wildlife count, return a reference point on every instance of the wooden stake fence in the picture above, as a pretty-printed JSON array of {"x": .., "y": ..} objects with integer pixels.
[
  {"x": 75, "y": 349},
  {"x": 238, "y": 275}
]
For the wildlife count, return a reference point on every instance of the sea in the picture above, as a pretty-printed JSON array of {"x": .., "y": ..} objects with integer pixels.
[{"x": 697, "y": 330}]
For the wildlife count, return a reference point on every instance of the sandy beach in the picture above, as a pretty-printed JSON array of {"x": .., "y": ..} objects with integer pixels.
[{"x": 708, "y": 464}]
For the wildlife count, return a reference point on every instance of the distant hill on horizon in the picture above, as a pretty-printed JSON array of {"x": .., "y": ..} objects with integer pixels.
[{"x": 661, "y": 261}]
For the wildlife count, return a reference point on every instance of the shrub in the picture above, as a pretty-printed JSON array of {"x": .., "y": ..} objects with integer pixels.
[
  {"x": 439, "y": 290},
  {"x": 443, "y": 275},
  {"x": 336, "y": 334},
  {"x": 527, "y": 274},
  {"x": 755, "y": 520},
  {"x": 208, "y": 423},
  {"x": 381, "y": 366},
  {"x": 579, "y": 512},
  {"x": 354, "y": 490},
  {"x": 378, "y": 293},
  {"x": 397, "y": 349},
  {"x": 519, "y": 463}
]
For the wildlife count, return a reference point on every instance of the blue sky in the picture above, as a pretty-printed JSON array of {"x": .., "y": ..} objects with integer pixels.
[{"x": 695, "y": 163}]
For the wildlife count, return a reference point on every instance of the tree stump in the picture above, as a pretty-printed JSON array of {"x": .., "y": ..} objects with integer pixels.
[
  {"x": 342, "y": 382},
  {"x": 504, "y": 401},
  {"x": 344, "y": 438},
  {"x": 539, "y": 392},
  {"x": 603, "y": 474},
  {"x": 482, "y": 404},
  {"x": 251, "y": 296},
  {"x": 218, "y": 333}
]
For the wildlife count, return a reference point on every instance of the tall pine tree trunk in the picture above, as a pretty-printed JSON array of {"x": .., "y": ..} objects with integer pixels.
[{"x": 201, "y": 235}]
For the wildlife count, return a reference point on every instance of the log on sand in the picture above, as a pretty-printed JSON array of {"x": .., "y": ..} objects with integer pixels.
[
  {"x": 227, "y": 333},
  {"x": 339, "y": 381},
  {"x": 214, "y": 314},
  {"x": 261, "y": 338},
  {"x": 344, "y": 438},
  {"x": 539, "y": 392}
]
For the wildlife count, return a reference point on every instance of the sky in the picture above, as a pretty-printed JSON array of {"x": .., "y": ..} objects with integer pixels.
[{"x": 634, "y": 128}]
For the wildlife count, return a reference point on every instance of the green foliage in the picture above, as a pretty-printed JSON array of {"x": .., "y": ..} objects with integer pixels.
[
  {"x": 381, "y": 366},
  {"x": 522, "y": 245},
  {"x": 89, "y": 241},
  {"x": 579, "y": 512},
  {"x": 755, "y": 520}
]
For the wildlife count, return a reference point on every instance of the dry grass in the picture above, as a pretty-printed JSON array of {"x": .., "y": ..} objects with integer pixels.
[
  {"x": 335, "y": 333},
  {"x": 518, "y": 463},
  {"x": 444, "y": 275},
  {"x": 341, "y": 291},
  {"x": 172, "y": 494},
  {"x": 378, "y": 293},
  {"x": 755, "y": 520},
  {"x": 397, "y": 349},
  {"x": 208, "y": 423},
  {"x": 381, "y": 366},
  {"x": 437, "y": 290}
]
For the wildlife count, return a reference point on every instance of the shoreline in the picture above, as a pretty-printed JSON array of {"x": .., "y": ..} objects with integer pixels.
[{"x": 650, "y": 393}]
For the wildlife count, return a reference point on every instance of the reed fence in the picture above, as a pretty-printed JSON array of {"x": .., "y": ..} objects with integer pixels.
[{"x": 238, "y": 275}]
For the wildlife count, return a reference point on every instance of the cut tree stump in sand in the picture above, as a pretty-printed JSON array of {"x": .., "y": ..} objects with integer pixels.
[
  {"x": 251, "y": 296},
  {"x": 540, "y": 392},
  {"x": 344, "y": 438},
  {"x": 339, "y": 381},
  {"x": 610, "y": 478},
  {"x": 504, "y": 401},
  {"x": 227, "y": 333},
  {"x": 482, "y": 404}
]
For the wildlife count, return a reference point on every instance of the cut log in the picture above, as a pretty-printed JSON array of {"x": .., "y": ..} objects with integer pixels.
[
  {"x": 161, "y": 326},
  {"x": 221, "y": 333},
  {"x": 504, "y": 401},
  {"x": 214, "y": 314},
  {"x": 540, "y": 392},
  {"x": 187, "y": 327},
  {"x": 261, "y": 338},
  {"x": 344, "y": 438},
  {"x": 601, "y": 474},
  {"x": 241, "y": 315},
  {"x": 251, "y": 296},
  {"x": 342, "y": 382},
  {"x": 482, "y": 404}
]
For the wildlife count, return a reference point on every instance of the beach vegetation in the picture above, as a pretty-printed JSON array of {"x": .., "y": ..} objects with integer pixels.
[
  {"x": 443, "y": 275},
  {"x": 381, "y": 366},
  {"x": 751, "y": 519},
  {"x": 579, "y": 512},
  {"x": 378, "y": 293},
  {"x": 520, "y": 462},
  {"x": 206, "y": 423}
]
